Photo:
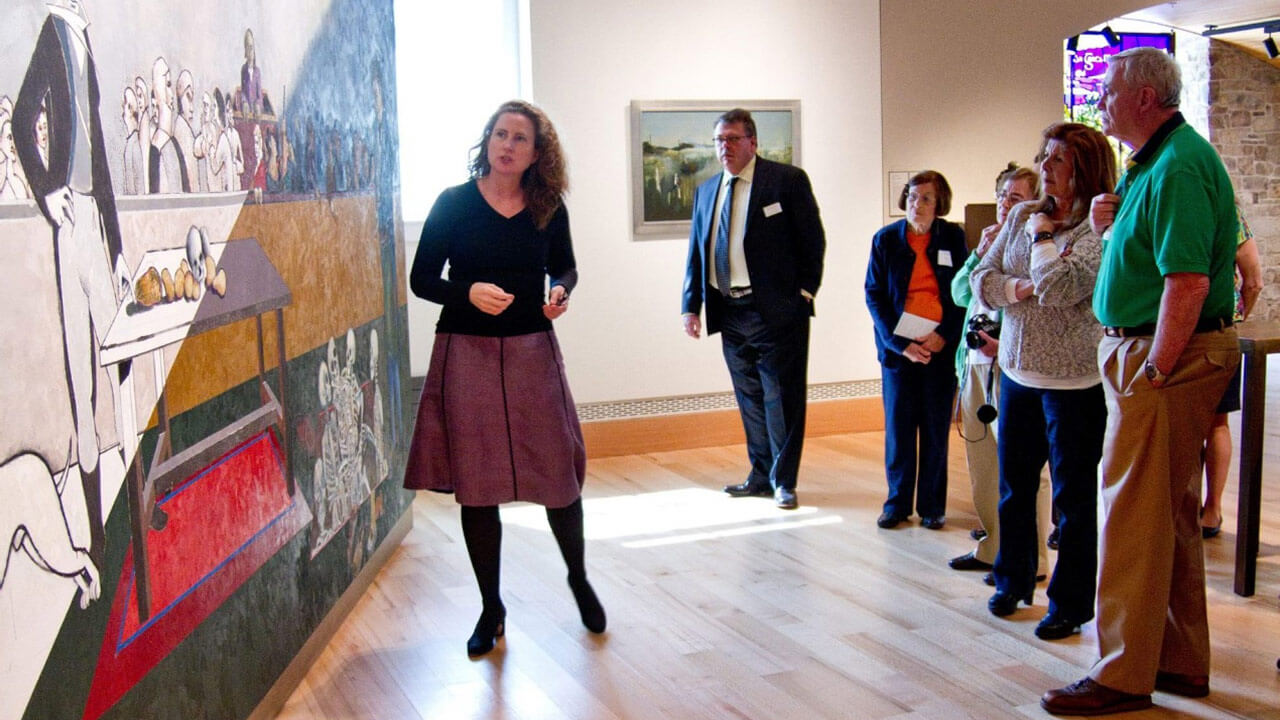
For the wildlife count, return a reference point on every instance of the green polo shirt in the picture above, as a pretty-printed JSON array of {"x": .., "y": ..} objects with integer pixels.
[{"x": 1176, "y": 215}]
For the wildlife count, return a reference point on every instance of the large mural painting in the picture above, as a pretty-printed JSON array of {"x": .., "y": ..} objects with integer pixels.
[{"x": 204, "y": 344}]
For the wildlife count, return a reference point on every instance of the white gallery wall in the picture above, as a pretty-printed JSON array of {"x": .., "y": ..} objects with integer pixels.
[
  {"x": 969, "y": 86},
  {"x": 623, "y": 337},
  {"x": 961, "y": 87}
]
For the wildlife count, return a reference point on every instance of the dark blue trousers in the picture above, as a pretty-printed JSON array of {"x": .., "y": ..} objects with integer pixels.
[
  {"x": 769, "y": 367},
  {"x": 1065, "y": 429},
  {"x": 917, "y": 423}
]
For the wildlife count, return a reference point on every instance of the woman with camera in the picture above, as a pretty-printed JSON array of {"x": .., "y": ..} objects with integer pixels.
[
  {"x": 1041, "y": 271},
  {"x": 979, "y": 377}
]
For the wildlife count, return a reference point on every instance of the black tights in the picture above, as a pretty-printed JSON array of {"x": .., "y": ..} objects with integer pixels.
[{"x": 482, "y": 530}]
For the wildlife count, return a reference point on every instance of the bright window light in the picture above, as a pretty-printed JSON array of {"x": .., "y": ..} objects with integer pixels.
[{"x": 455, "y": 63}]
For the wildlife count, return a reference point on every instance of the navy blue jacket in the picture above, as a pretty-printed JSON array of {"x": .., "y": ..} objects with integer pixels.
[
  {"x": 784, "y": 247},
  {"x": 889, "y": 275}
]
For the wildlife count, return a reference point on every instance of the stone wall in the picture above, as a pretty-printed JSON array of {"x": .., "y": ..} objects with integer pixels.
[{"x": 1244, "y": 97}]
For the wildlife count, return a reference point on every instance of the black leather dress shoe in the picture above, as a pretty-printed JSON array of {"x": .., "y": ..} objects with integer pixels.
[
  {"x": 968, "y": 561},
  {"x": 889, "y": 520},
  {"x": 933, "y": 523},
  {"x": 1089, "y": 697},
  {"x": 1053, "y": 627},
  {"x": 785, "y": 498},
  {"x": 1003, "y": 604},
  {"x": 1192, "y": 686},
  {"x": 747, "y": 489}
]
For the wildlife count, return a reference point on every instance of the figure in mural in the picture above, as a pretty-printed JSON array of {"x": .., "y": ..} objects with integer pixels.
[
  {"x": 183, "y": 132},
  {"x": 146, "y": 121},
  {"x": 13, "y": 186},
  {"x": 226, "y": 158},
  {"x": 259, "y": 174},
  {"x": 250, "y": 78},
  {"x": 32, "y": 520},
  {"x": 201, "y": 148},
  {"x": 73, "y": 190},
  {"x": 166, "y": 168},
  {"x": 352, "y": 460},
  {"x": 132, "y": 143}
]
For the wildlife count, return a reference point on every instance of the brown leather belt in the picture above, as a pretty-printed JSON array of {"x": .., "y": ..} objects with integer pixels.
[{"x": 1205, "y": 325}]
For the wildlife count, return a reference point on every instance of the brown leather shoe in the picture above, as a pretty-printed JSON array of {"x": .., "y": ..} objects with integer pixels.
[
  {"x": 1192, "y": 686},
  {"x": 1088, "y": 697}
]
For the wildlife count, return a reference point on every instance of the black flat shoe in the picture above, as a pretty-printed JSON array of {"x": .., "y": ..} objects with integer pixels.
[
  {"x": 1208, "y": 533},
  {"x": 489, "y": 628},
  {"x": 977, "y": 533},
  {"x": 747, "y": 489},
  {"x": 889, "y": 520},
  {"x": 1052, "y": 541},
  {"x": 1052, "y": 627},
  {"x": 1003, "y": 604},
  {"x": 990, "y": 579},
  {"x": 933, "y": 523},
  {"x": 968, "y": 561},
  {"x": 589, "y": 607}
]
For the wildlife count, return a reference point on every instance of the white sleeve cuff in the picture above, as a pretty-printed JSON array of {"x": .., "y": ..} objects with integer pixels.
[
  {"x": 1011, "y": 290},
  {"x": 1043, "y": 253}
]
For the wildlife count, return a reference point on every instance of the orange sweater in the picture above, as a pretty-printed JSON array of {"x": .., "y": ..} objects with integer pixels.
[{"x": 922, "y": 292}]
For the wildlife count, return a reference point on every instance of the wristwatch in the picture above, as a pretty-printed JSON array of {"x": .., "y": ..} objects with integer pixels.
[
  {"x": 1042, "y": 236},
  {"x": 1154, "y": 375}
]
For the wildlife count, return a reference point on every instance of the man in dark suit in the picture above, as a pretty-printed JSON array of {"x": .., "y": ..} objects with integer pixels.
[
  {"x": 755, "y": 263},
  {"x": 57, "y": 133}
]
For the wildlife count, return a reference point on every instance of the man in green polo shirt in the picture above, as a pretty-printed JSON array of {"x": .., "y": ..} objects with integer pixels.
[{"x": 1164, "y": 296}]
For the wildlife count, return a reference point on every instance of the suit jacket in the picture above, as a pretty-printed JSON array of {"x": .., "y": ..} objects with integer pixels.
[
  {"x": 784, "y": 247},
  {"x": 47, "y": 81},
  {"x": 889, "y": 275}
]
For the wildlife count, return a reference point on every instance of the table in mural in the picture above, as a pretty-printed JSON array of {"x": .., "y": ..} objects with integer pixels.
[{"x": 254, "y": 288}]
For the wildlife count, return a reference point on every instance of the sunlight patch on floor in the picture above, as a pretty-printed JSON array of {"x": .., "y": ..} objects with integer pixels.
[{"x": 675, "y": 516}]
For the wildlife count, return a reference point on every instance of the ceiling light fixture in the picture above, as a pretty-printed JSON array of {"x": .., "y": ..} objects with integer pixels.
[
  {"x": 1110, "y": 36},
  {"x": 1073, "y": 42}
]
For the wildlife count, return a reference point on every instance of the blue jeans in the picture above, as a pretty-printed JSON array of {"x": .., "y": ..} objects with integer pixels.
[
  {"x": 769, "y": 367},
  {"x": 917, "y": 410},
  {"x": 1064, "y": 428}
]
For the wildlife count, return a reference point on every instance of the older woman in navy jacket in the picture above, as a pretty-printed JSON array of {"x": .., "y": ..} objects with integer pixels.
[{"x": 909, "y": 274}]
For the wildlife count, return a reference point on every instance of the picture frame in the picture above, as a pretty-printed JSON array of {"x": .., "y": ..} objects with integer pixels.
[
  {"x": 672, "y": 152},
  {"x": 897, "y": 180}
]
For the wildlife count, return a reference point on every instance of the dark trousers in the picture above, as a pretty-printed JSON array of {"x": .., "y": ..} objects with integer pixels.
[
  {"x": 1065, "y": 429},
  {"x": 917, "y": 419},
  {"x": 769, "y": 367}
]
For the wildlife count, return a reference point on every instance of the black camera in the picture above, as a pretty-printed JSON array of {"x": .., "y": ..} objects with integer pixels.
[{"x": 980, "y": 323}]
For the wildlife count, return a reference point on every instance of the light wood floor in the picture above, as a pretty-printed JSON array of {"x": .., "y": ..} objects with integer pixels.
[{"x": 724, "y": 608}]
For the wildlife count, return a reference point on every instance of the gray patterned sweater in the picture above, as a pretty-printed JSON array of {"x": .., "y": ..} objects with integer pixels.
[{"x": 1054, "y": 332}]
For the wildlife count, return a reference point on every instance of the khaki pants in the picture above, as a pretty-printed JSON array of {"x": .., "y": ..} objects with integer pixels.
[{"x": 1151, "y": 599}]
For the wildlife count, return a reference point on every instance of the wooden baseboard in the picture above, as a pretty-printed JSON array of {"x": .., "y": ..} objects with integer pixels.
[
  {"x": 271, "y": 704},
  {"x": 635, "y": 436}
]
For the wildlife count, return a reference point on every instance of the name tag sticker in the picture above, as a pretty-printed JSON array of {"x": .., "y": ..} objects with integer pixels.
[
  {"x": 944, "y": 258},
  {"x": 771, "y": 210}
]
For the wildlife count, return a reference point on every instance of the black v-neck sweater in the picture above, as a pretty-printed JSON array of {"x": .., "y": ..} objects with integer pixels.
[{"x": 481, "y": 245}]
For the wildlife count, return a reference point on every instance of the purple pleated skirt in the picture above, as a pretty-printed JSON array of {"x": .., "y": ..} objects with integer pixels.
[{"x": 496, "y": 423}]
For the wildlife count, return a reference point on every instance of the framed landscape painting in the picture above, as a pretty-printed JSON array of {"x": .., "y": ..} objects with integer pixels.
[{"x": 672, "y": 152}]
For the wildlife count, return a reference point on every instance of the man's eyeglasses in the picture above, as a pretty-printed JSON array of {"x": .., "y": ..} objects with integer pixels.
[{"x": 728, "y": 139}]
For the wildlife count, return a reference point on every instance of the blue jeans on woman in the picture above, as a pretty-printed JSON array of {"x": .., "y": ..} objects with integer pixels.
[{"x": 1065, "y": 429}]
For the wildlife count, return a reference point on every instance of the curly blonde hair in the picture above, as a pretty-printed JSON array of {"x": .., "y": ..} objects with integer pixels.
[{"x": 547, "y": 180}]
